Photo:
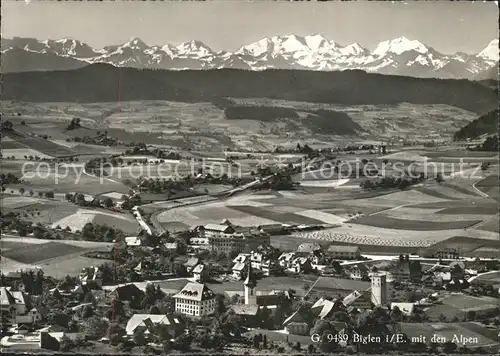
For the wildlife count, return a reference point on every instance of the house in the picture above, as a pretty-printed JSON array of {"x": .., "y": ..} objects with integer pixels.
[
  {"x": 191, "y": 263},
  {"x": 91, "y": 275},
  {"x": 344, "y": 252},
  {"x": 195, "y": 299},
  {"x": 358, "y": 300},
  {"x": 241, "y": 258},
  {"x": 359, "y": 271},
  {"x": 133, "y": 241},
  {"x": 457, "y": 270},
  {"x": 247, "y": 314},
  {"x": 441, "y": 252},
  {"x": 300, "y": 265},
  {"x": 285, "y": 258},
  {"x": 13, "y": 305},
  {"x": 323, "y": 307},
  {"x": 404, "y": 270},
  {"x": 200, "y": 272},
  {"x": 128, "y": 293},
  {"x": 268, "y": 267},
  {"x": 238, "y": 270},
  {"x": 295, "y": 324},
  {"x": 308, "y": 247},
  {"x": 271, "y": 229},
  {"x": 170, "y": 246},
  {"x": 406, "y": 308},
  {"x": 140, "y": 322}
]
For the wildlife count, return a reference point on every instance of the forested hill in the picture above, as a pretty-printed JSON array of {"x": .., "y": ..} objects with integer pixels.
[
  {"x": 102, "y": 82},
  {"x": 485, "y": 124}
]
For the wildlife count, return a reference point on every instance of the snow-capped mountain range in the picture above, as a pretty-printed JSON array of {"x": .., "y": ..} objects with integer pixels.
[{"x": 400, "y": 56}]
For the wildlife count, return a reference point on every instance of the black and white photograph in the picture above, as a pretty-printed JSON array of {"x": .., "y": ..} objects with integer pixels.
[{"x": 249, "y": 177}]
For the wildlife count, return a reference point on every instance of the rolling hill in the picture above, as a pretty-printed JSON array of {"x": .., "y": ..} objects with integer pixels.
[{"x": 105, "y": 83}]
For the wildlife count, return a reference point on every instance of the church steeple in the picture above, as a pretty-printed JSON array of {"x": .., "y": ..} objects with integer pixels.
[{"x": 250, "y": 285}]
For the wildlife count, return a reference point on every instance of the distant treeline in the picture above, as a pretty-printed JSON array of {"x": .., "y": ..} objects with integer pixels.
[
  {"x": 262, "y": 113},
  {"x": 318, "y": 121},
  {"x": 485, "y": 124},
  {"x": 99, "y": 82}
]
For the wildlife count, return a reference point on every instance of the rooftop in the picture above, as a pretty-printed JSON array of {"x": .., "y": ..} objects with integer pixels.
[{"x": 195, "y": 291}]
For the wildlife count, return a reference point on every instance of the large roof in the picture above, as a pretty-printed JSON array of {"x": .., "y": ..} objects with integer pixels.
[
  {"x": 10, "y": 297},
  {"x": 308, "y": 247},
  {"x": 138, "y": 320},
  {"x": 195, "y": 291},
  {"x": 218, "y": 227},
  {"x": 243, "y": 309}
]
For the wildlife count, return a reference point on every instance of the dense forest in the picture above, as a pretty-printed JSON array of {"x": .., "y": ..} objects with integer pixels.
[
  {"x": 485, "y": 124},
  {"x": 103, "y": 82}
]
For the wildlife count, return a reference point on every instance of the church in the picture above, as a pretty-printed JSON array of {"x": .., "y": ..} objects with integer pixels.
[{"x": 259, "y": 308}]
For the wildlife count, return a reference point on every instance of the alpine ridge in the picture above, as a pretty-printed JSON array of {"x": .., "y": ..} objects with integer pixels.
[{"x": 399, "y": 56}]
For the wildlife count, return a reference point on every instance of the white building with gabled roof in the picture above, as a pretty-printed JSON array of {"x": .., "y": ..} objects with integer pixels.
[{"x": 195, "y": 299}]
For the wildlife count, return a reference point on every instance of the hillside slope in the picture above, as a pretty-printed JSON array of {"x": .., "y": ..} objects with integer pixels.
[
  {"x": 16, "y": 60},
  {"x": 485, "y": 124},
  {"x": 101, "y": 82}
]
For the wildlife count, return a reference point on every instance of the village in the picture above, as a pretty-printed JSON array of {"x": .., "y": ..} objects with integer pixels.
[{"x": 221, "y": 287}]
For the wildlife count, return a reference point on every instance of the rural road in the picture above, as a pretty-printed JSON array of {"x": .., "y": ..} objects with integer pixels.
[{"x": 482, "y": 274}]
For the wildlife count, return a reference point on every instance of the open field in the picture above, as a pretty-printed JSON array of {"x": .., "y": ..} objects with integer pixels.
[
  {"x": 77, "y": 221},
  {"x": 448, "y": 331},
  {"x": 414, "y": 224},
  {"x": 39, "y": 252},
  {"x": 489, "y": 186},
  {"x": 55, "y": 258},
  {"x": 69, "y": 178},
  {"x": 203, "y": 126}
]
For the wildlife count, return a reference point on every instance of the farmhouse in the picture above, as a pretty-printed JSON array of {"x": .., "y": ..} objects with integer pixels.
[
  {"x": 147, "y": 322},
  {"x": 238, "y": 270},
  {"x": 271, "y": 229},
  {"x": 440, "y": 252},
  {"x": 308, "y": 247},
  {"x": 405, "y": 308},
  {"x": 191, "y": 264},
  {"x": 296, "y": 324},
  {"x": 358, "y": 300},
  {"x": 359, "y": 271},
  {"x": 195, "y": 299},
  {"x": 13, "y": 306},
  {"x": 323, "y": 307},
  {"x": 343, "y": 252},
  {"x": 128, "y": 292},
  {"x": 91, "y": 275},
  {"x": 200, "y": 272}
]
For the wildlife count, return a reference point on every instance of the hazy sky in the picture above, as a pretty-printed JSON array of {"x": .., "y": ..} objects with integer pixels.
[{"x": 447, "y": 26}]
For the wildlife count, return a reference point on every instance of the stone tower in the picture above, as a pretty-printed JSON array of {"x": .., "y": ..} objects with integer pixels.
[
  {"x": 379, "y": 289},
  {"x": 250, "y": 297}
]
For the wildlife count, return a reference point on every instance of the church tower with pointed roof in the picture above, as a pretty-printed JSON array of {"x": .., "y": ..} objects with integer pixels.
[{"x": 250, "y": 284}]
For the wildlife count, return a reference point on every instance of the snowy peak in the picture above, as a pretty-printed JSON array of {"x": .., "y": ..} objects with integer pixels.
[
  {"x": 400, "y": 56},
  {"x": 490, "y": 52},
  {"x": 256, "y": 49},
  {"x": 194, "y": 49},
  {"x": 353, "y": 49},
  {"x": 135, "y": 43},
  {"x": 398, "y": 46}
]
